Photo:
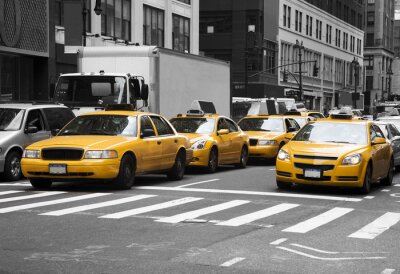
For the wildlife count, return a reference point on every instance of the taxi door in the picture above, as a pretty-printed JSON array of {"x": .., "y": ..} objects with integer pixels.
[
  {"x": 149, "y": 149},
  {"x": 379, "y": 152},
  {"x": 169, "y": 142},
  {"x": 236, "y": 140},
  {"x": 224, "y": 141}
]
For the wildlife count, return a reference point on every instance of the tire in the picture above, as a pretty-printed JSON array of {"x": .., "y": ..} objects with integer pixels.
[
  {"x": 366, "y": 188},
  {"x": 212, "y": 160},
  {"x": 41, "y": 183},
  {"x": 126, "y": 174},
  {"x": 283, "y": 185},
  {"x": 12, "y": 166},
  {"x": 244, "y": 157},
  {"x": 178, "y": 169},
  {"x": 387, "y": 181}
]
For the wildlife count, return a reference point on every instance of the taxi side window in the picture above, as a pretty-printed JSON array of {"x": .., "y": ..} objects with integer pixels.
[
  {"x": 372, "y": 133},
  {"x": 379, "y": 132},
  {"x": 146, "y": 127},
  {"x": 35, "y": 119},
  {"x": 162, "y": 127},
  {"x": 231, "y": 126},
  {"x": 222, "y": 124},
  {"x": 294, "y": 123},
  {"x": 394, "y": 131}
]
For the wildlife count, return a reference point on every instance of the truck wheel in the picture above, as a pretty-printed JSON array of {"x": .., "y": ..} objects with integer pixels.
[
  {"x": 212, "y": 161},
  {"x": 387, "y": 181},
  {"x": 178, "y": 169},
  {"x": 41, "y": 183},
  {"x": 244, "y": 157},
  {"x": 126, "y": 174},
  {"x": 366, "y": 188},
  {"x": 12, "y": 166},
  {"x": 283, "y": 185}
]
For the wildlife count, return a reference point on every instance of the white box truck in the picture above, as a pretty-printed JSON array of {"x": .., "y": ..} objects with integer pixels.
[{"x": 125, "y": 74}]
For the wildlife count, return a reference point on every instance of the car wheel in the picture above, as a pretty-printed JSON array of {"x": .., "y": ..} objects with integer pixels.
[
  {"x": 178, "y": 169},
  {"x": 126, "y": 174},
  {"x": 12, "y": 166},
  {"x": 283, "y": 185},
  {"x": 366, "y": 188},
  {"x": 387, "y": 181},
  {"x": 41, "y": 183},
  {"x": 244, "y": 157},
  {"x": 213, "y": 160}
]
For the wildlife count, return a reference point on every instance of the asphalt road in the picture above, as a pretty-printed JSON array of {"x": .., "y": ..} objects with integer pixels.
[{"x": 232, "y": 221}]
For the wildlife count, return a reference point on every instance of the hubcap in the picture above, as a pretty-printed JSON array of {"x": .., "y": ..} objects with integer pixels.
[{"x": 15, "y": 167}]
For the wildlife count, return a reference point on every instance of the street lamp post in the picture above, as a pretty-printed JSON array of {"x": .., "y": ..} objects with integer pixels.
[
  {"x": 250, "y": 29},
  {"x": 300, "y": 47},
  {"x": 355, "y": 66},
  {"x": 389, "y": 73}
]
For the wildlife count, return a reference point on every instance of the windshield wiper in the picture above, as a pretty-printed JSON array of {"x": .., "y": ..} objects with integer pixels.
[{"x": 339, "y": 142}]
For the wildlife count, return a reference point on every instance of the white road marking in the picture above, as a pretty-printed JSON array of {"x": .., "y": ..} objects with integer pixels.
[
  {"x": 53, "y": 202},
  {"x": 233, "y": 261},
  {"x": 200, "y": 212},
  {"x": 377, "y": 227},
  {"x": 272, "y": 169},
  {"x": 329, "y": 259},
  {"x": 397, "y": 185},
  {"x": 369, "y": 197},
  {"x": 333, "y": 252},
  {"x": 140, "y": 210},
  {"x": 388, "y": 271},
  {"x": 290, "y": 195},
  {"x": 385, "y": 190},
  {"x": 202, "y": 182},
  {"x": 10, "y": 192},
  {"x": 96, "y": 205},
  {"x": 33, "y": 196},
  {"x": 279, "y": 241},
  {"x": 319, "y": 220},
  {"x": 248, "y": 218},
  {"x": 15, "y": 184}
]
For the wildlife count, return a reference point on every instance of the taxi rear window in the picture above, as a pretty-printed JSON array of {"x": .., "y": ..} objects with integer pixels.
[
  {"x": 262, "y": 124},
  {"x": 194, "y": 125}
]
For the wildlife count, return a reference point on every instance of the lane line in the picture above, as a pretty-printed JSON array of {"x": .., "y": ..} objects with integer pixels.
[
  {"x": 96, "y": 205},
  {"x": 202, "y": 182},
  {"x": 314, "y": 249},
  {"x": 397, "y": 185},
  {"x": 319, "y": 220},
  {"x": 329, "y": 259},
  {"x": 259, "y": 193},
  {"x": 248, "y": 218},
  {"x": 377, "y": 227},
  {"x": 369, "y": 197},
  {"x": 33, "y": 196},
  {"x": 388, "y": 271},
  {"x": 10, "y": 192},
  {"x": 233, "y": 261},
  {"x": 140, "y": 210},
  {"x": 53, "y": 202},
  {"x": 385, "y": 190},
  {"x": 15, "y": 184},
  {"x": 200, "y": 212},
  {"x": 279, "y": 241}
]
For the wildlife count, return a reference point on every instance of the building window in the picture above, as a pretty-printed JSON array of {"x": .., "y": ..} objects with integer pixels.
[
  {"x": 337, "y": 38},
  {"x": 153, "y": 26},
  {"x": 185, "y": 1},
  {"x": 289, "y": 11},
  {"x": 358, "y": 46},
  {"x": 309, "y": 25},
  {"x": 116, "y": 19},
  {"x": 215, "y": 24},
  {"x": 345, "y": 40},
  {"x": 352, "y": 43},
  {"x": 181, "y": 33},
  {"x": 59, "y": 13},
  {"x": 318, "y": 31},
  {"x": 284, "y": 15},
  {"x": 370, "y": 18},
  {"x": 328, "y": 34},
  {"x": 296, "y": 21}
]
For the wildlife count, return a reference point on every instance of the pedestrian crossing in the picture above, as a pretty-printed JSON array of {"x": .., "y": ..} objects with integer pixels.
[{"x": 203, "y": 207}]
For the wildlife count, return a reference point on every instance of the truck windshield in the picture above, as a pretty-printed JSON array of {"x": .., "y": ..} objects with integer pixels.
[
  {"x": 117, "y": 125},
  {"x": 11, "y": 119},
  {"x": 93, "y": 89},
  {"x": 194, "y": 125}
]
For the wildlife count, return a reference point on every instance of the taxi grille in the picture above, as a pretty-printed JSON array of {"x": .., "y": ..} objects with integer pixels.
[
  {"x": 311, "y": 166},
  {"x": 62, "y": 154},
  {"x": 253, "y": 142},
  {"x": 299, "y": 156}
]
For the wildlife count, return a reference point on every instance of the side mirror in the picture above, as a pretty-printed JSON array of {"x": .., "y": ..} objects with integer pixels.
[
  {"x": 291, "y": 129},
  {"x": 222, "y": 131},
  {"x": 31, "y": 129},
  {"x": 54, "y": 132},
  {"x": 378, "y": 141},
  {"x": 147, "y": 133},
  {"x": 145, "y": 92},
  {"x": 134, "y": 85}
]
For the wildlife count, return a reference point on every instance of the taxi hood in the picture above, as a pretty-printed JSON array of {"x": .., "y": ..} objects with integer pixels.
[
  {"x": 194, "y": 137},
  {"x": 322, "y": 149},
  {"x": 263, "y": 134},
  {"x": 88, "y": 142}
]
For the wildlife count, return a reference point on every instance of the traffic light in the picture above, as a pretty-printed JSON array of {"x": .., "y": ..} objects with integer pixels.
[
  {"x": 315, "y": 71},
  {"x": 285, "y": 75}
]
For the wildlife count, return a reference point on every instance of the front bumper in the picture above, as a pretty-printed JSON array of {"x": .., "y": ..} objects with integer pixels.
[
  {"x": 200, "y": 157},
  {"x": 263, "y": 151},
  {"x": 332, "y": 174},
  {"x": 83, "y": 169}
]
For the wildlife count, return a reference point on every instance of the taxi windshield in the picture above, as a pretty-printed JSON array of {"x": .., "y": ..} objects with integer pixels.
[
  {"x": 113, "y": 125},
  {"x": 262, "y": 124},
  {"x": 333, "y": 133},
  {"x": 194, "y": 125},
  {"x": 11, "y": 119}
]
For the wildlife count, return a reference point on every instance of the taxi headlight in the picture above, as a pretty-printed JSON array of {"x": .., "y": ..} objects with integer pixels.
[
  {"x": 200, "y": 144},
  {"x": 283, "y": 155},
  {"x": 32, "y": 154},
  {"x": 267, "y": 142},
  {"x": 101, "y": 154},
  {"x": 353, "y": 159}
]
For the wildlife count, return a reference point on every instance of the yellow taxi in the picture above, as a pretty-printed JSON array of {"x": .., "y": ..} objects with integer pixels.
[
  {"x": 339, "y": 151},
  {"x": 268, "y": 133},
  {"x": 303, "y": 117},
  {"x": 111, "y": 145},
  {"x": 215, "y": 139}
]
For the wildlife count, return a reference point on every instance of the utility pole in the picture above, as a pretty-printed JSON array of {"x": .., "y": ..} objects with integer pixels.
[{"x": 300, "y": 47}]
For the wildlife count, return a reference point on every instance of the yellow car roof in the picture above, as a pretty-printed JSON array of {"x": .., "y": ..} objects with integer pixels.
[
  {"x": 118, "y": 112},
  {"x": 199, "y": 116}
]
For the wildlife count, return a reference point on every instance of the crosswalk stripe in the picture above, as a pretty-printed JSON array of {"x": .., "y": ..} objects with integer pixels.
[
  {"x": 10, "y": 192},
  {"x": 33, "y": 196},
  {"x": 377, "y": 227},
  {"x": 53, "y": 202},
  {"x": 96, "y": 205},
  {"x": 200, "y": 212},
  {"x": 248, "y": 218},
  {"x": 140, "y": 210},
  {"x": 319, "y": 220}
]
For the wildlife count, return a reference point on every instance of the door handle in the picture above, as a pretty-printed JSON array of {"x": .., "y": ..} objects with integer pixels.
[{"x": 159, "y": 142}]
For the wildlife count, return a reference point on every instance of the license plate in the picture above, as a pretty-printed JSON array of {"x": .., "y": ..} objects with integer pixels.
[
  {"x": 312, "y": 173},
  {"x": 57, "y": 169}
]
